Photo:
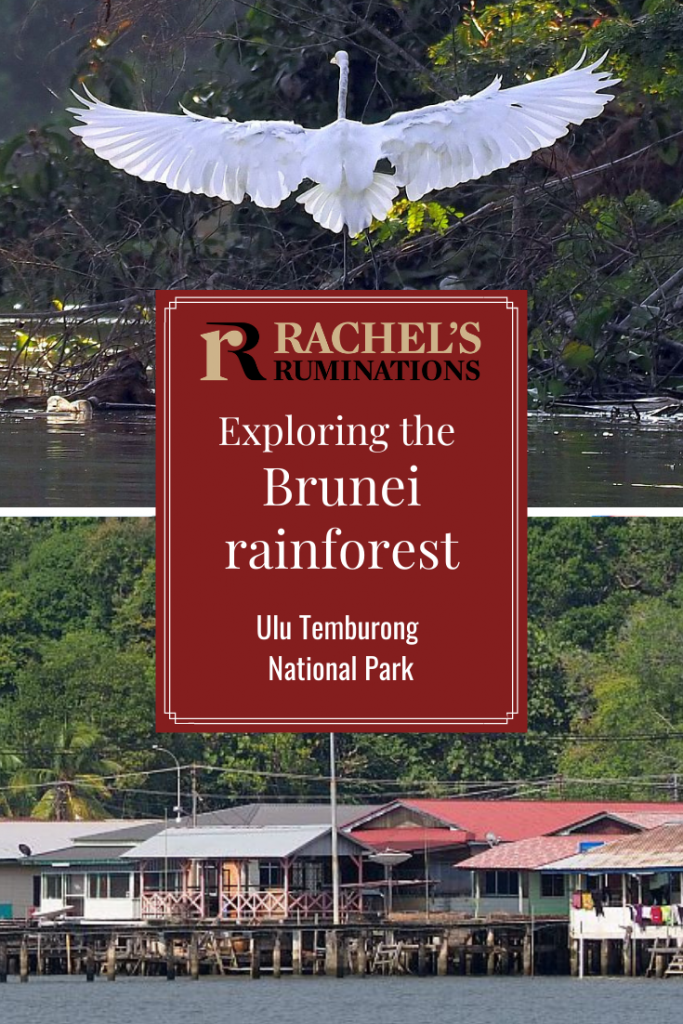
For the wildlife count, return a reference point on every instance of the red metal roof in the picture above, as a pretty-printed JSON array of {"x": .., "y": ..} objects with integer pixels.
[
  {"x": 510, "y": 820},
  {"x": 529, "y": 854},
  {"x": 414, "y": 838}
]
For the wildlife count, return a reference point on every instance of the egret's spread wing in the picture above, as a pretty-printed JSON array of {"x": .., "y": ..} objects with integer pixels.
[
  {"x": 191, "y": 153},
  {"x": 445, "y": 144}
]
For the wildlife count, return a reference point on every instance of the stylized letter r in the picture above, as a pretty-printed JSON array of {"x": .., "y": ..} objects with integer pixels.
[{"x": 235, "y": 338}]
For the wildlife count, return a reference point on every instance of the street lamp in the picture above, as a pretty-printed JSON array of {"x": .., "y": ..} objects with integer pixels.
[{"x": 177, "y": 808}]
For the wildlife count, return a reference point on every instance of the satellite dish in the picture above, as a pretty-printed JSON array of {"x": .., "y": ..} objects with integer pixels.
[
  {"x": 492, "y": 839},
  {"x": 26, "y": 850},
  {"x": 389, "y": 858}
]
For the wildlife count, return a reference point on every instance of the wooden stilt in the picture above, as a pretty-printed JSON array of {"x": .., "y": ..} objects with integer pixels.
[
  {"x": 193, "y": 956},
  {"x": 421, "y": 957},
  {"x": 362, "y": 955},
  {"x": 23, "y": 960},
  {"x": 170, "y": 961},
  {"x": 89, "y": 964}
]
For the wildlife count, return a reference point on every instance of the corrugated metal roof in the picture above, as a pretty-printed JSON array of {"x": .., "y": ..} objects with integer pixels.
[
  {"x": 254, "y": 814},
  {"x": 511, "y": 820},
  {"x": 284, "y": 814},
  {"x": 132, "y": 833},
  {"x": 80, "y": 853},
  {"x": 528, "y": 854},
  {"x": 41, "y": 836},
  {"x": 658, "y": 849},
  {"x": 242, "y": 843},
  {"x": 412, "y": 838}
]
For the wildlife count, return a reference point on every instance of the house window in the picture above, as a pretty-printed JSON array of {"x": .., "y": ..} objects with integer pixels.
[
  {"x": 501, "y": 883},
  {"x": 52, "y": 887},
  {"x": 102, "y": 887},
  {"x": 118, "y": 886},
  {"x": 270, "y": 874},
  {"x": 307, "y": 876},
  {"x": 163, "y": 881},
  {"x": 98, "y": 887},
  {"x": 552, "y": 885}
]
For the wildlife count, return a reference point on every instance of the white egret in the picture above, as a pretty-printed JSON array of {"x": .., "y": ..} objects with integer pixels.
[{"x": 434, "y": 147}]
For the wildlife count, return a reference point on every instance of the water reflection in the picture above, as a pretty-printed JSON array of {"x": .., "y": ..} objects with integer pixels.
[
  {"x": 590, "y": 461},
  {"x": 56, "y": 461}
]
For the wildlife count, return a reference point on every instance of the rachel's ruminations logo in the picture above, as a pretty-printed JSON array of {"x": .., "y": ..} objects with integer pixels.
[{"x": 241, "y": 342}]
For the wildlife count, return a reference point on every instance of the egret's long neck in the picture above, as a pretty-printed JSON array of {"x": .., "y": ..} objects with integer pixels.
[{"x": 343, "y": 89}]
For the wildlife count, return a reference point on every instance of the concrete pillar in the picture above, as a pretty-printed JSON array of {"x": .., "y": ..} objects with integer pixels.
[
  {"x": 23, "y": 960},
  {"x": 574, "y": 958},
  {"x": 296, "y": 951},
  {"x": 254, "y": 957},
  {"x": 527, "y": 966},
  {"x": 605, "y": 956},
  {"x": 362, "y": 957},
  {"x": 277, "y": 955},
  {"x": 193, "y": 957},
  {"x": 627, "y": 957},
  {"x": 111, "y": 960},
  {"x": 334, "y": 959},
  {"x": 3, "y": 962},
  {"x": 490, "y": 952},
  {"x": 442, "y": 958}
]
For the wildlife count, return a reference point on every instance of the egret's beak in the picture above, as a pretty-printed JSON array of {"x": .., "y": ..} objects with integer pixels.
[{"x": 334, "y": 61}]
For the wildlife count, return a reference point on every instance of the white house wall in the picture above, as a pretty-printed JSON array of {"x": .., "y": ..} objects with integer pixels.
[{"x": 615, "y": 923}]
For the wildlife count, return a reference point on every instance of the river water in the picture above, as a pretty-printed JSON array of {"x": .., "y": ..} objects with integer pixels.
[
  {"x": 589, "y": 461},
  {"x": 61, "y": 1000},
  {"x": 108, "y": 461}
]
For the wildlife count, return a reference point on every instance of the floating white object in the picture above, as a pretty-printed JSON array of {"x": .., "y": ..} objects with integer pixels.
[
  {"x": 434, "y": 147},
  {"x": 59, "y": 406}
]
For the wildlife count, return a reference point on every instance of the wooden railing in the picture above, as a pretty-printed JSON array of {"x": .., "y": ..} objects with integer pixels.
[
  {"x": 272, "y": 904},
  {"x": 277, "y": 904},
  {"x": 171, "y": 904}
]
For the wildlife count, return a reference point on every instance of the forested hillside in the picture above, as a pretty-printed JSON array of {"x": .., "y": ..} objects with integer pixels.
[{"x": 77, "y": 682}]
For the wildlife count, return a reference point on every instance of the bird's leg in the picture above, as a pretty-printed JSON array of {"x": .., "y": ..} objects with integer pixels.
[
  {"x": 345, "y": 278},
  {"x": 374, "y": 261}
]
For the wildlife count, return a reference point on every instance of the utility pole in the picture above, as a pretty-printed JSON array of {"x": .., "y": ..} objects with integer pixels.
[
  {"x": 335, "y": 835},
  {"x": 193, "y": 776}
]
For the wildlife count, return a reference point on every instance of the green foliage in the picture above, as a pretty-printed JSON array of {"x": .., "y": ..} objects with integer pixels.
[
  {"x": 605, "y": 645},
  {"x": 71, "y": 786}
]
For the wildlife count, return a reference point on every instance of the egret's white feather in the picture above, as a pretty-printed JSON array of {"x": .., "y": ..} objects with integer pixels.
[{"x": 435, "y": 147}]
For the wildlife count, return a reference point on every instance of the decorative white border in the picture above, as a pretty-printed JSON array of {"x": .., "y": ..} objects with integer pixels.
[{"x": 356, "y": 722}]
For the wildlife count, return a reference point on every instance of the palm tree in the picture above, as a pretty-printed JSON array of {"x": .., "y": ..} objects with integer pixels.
[{"x": 73, "y": 787}]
